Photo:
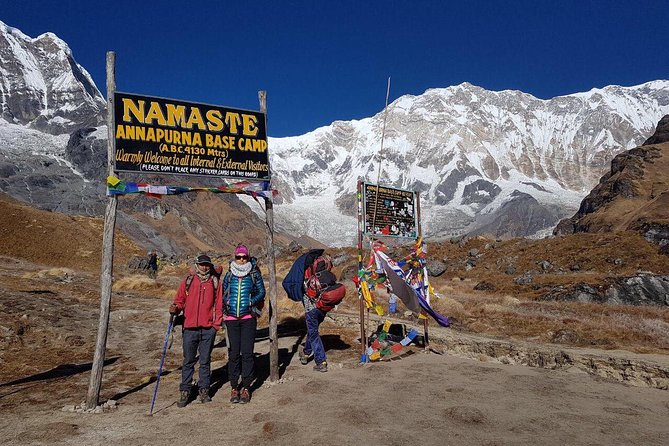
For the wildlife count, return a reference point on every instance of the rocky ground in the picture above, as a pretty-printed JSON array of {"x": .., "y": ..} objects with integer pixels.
[{"x": 468, "y": 390}]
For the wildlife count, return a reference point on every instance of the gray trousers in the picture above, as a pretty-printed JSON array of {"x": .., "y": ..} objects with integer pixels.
[{"x": 197, "y": 340}]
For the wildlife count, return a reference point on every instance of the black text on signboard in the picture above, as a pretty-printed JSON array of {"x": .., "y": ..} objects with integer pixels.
[
  {"x": 391, "y": 214},
  {"x": 174, "y": 137}
]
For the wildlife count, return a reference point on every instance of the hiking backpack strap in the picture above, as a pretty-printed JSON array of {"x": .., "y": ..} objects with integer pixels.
[{"x": 189, "y": 280}]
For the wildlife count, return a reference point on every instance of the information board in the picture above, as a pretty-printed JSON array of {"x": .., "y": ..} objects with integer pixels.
[{"x": 393, "y": 213}]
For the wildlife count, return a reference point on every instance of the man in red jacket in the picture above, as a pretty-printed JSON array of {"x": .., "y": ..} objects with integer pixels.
[{"x": 201, "y": 300}]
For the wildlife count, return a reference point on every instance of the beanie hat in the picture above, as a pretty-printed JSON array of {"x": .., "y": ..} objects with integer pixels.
[{"x": 241, "y": 250}]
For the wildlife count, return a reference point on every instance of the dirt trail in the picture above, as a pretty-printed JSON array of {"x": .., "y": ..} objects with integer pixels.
[{"x": 434, "y": 399}]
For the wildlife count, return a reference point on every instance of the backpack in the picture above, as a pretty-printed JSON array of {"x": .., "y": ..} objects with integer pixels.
[
  {"x": 293, "y": 283},
  {"x": 318, "y": 282},
  {"x": 330, "y": 297},
  {"x": 318, "y": 276}
]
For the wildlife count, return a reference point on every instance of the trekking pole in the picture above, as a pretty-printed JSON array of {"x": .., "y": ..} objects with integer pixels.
[{"x": 162, "y": 360}]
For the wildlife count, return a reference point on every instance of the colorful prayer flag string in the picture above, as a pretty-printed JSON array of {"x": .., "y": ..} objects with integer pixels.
[{"x": 254, "y": 189}]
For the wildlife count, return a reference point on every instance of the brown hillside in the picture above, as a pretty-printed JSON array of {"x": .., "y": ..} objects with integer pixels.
[
  {"x": 54, "y": 239},
  {"x": 198, "y": 222},
  {"x": 634, "y": 195}
]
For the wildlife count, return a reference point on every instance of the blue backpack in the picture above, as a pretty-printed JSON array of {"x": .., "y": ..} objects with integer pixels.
[{"x": 293, "y": 283}]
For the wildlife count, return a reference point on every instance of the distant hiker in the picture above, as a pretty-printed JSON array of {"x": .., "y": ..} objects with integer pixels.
[
  {"x": 243, "y": 299},
  {"x": 153, "y": 264},
  {"x": 199, "y": 297},
  {"x": 392, "y": 300}
]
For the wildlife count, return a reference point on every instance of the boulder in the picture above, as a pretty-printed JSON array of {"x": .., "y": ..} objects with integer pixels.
[
  {"x": 436, "y": 268},
  {"x": 642, "y": 289},
  {"x": 340, "y": 259}
]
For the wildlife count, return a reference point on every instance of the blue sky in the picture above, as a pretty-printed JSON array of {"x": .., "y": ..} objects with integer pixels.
[{"x": 327, "y": 61}]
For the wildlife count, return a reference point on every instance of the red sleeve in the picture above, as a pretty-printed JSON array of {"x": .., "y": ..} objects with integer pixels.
[
  {"x": 180, "y": 298},
  {"x": 218, "y": 307}
]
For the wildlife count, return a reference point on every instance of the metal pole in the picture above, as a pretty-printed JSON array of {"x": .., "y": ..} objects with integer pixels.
[
  {"x": 420, "y": 235},
  {"x": 107, "y": 247},
  {"x": 363, "y": 333},
  {"x": 271, "y": 266},
  {"x": 378, "y": 174}
]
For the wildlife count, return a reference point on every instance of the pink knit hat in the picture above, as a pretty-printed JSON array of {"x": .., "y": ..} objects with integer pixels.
[{"x": 241, "y": 250}]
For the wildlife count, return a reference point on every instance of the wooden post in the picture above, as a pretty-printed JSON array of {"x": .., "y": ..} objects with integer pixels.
[
  {"x": 107, "y": 247},
  {"x": 420, "y": 234},
  {"x": 271, "y": 266},
  {"x": 361, "y": 219}
]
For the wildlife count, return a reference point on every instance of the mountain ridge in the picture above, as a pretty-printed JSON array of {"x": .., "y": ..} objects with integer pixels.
[
  {"x": 441, "y": 142},
  {"x": 43, "y": 87}
]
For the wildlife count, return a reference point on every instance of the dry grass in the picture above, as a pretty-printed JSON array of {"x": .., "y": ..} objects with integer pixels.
[
  {"x": 640, "y": 329},
  {"x": 164, "y": 287},
  {"x": 62, "y": 274}
]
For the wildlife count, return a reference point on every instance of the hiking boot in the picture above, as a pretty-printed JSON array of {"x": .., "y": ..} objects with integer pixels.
[
  {"x": 204, "y": 396},
  {"x": 322, "y": 367},
  {"x": 184, "y": 396},
  {"x": 304, "y": 358},
  {"x": 234, "y": 396},
  {"x": 244, "y": 396}
]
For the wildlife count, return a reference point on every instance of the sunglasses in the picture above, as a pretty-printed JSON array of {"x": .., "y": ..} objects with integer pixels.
[{"x": 242, "y": 257}]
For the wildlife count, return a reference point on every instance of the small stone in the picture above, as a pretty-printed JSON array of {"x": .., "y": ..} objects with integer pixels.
[
  {"x": 523, "y": 280},
  {"x": 68, "y": 408},
  {"x": 485, "y": 286},
  {"x": 473, "y": 252},
  {"x": 98, "y": 409},
  {"x": 545, "y": 265},
  {"x": 618, "y": 262},
  {"x": 408, "y": 313},
  {"x": 112, "y": 403}
]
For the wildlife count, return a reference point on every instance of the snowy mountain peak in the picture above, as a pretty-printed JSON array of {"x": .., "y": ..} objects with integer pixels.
[
  {"x": 475, "y": 155},
  {"x": 43, "y": 87}
]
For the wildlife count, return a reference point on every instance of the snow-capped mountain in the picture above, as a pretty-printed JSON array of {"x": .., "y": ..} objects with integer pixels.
[
  {"x": 504, "y": 162},
  {"x": 53, "y": 157},
  {"x": 42, "y": 87},
  {"x": 500, "y": 162}
]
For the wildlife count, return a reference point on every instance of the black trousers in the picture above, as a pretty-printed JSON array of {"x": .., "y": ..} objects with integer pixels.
[{"x": 241, "y": 335}]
